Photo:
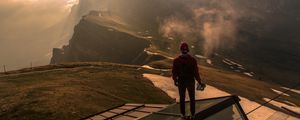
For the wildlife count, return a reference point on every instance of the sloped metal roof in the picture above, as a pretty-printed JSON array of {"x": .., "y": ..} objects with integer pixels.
[
  {"x": 127, "y": 112},
  {"x": 225, "y": 108}
]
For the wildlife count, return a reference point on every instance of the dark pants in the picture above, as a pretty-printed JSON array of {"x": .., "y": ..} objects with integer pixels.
[{"x": 190, "y": 86}]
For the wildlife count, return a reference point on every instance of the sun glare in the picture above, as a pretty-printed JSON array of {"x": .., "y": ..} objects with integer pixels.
[
  {"x": 71, "y": 3},
  {"x": 67, "y": 2}
]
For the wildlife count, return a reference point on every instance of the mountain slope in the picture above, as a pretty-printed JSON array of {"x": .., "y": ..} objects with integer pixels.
[
  {"x": 74, "y": 91},
  {"x": 266, "y": 40},
  {"x": 103, "y": 37}
]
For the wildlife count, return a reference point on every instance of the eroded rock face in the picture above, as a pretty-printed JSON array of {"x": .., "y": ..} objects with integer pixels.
[
  {"x": 93, "y": 42},
  {"x": 58, "y": 55}
]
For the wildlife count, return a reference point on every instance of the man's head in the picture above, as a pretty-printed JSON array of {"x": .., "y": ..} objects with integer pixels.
[{"x": 184, "y": 48}]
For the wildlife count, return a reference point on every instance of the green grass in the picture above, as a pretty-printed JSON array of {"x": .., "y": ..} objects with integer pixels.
[{"x": 74, "y": 91}]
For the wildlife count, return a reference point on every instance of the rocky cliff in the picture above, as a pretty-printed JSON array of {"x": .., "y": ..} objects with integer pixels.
[{"x": 102, "y": 37}]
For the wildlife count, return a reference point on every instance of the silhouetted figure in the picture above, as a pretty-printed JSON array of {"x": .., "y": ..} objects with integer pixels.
[{"x": 185, "y": 71}]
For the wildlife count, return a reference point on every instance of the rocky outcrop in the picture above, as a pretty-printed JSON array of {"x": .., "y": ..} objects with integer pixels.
[{"x": 98, "y": 39}]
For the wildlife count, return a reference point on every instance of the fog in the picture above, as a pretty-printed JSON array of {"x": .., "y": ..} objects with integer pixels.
[
  {"x": 218, "y": 22},
  {"x": 31, "y": 28},
  {"x": 213, "y": 20}
]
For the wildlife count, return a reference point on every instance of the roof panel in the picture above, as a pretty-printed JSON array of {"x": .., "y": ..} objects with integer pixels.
[
  {"x": 137, "y": 114},
  {"x": 97, "y": 117},
  {"x": 121, "y": 117},
  {"x": 147, "y": 109},
  {"x": 118, "y": 110},
  {"x": 214, "y": 108},
  {"x": 128, "y": 107},
  {"x": 108, "y": 114}
]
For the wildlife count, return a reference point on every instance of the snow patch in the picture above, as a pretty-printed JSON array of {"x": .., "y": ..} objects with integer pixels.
[
  {"x": 149, "y": 37},
  {"x": 293, "y": 90},
  {"x": 149, "y": 67},
  {"x": 237, "y": 67},
  {"x": 167, "y": 85},
  {"x": 151, "y": 53},
  {"x": 280, "y": 104},
  {"x": 248, "y": 74},
  {"x": 209, "y": 61},
  {"x": 279, "y": 92},
  {"x": 201, "y": 57},
  {"x": 228, "y": 63},
  {"x": 154, "y": 53}
]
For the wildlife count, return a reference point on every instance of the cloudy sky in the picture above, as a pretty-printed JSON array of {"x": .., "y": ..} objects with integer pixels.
[{"x": 30, "y": 29}]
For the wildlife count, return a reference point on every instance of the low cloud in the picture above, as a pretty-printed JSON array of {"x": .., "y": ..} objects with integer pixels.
[
  {"x": 210, "y": 20},
  {"x": 31, "y": 28}
]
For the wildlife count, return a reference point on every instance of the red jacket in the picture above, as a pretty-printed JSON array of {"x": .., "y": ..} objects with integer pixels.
[{"x": 185, "y": 68}]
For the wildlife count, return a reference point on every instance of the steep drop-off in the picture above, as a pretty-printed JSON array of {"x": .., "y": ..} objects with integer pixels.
[
  {"x": 263, "y": 45},
  {"x": 102, "y": 37}
]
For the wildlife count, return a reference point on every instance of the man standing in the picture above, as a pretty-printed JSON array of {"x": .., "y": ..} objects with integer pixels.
[{"x": 185, "y": 71}]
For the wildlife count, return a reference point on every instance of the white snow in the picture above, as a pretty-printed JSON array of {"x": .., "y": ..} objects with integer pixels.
[
  {"x": 228, "y": 63},
  {"x": 154, "y": 53},
  {"x": 149, "y": 67},
  {"x": 149, "y": 37},
  {"x": 209, "y": 61},
  {"x": 279, "y": 92},
  {"x": 170, "y": 38},
  {"x": 151, "y": 53},
  {"x": 280, "y": 104},
  {"x": 242, "y": 68},
  {"x": 167, "y": 85},
  {"x": 293, "y": 90},
  {"x": 200, "y": 56},
  {"x": 248, "y": 74},
  {"x": 237, "y": 67}
]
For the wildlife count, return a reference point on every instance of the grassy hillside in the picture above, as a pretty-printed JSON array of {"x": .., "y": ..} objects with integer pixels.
[
  {"x": 263, "y": 45},
  {"x": 73, "y": 91}
]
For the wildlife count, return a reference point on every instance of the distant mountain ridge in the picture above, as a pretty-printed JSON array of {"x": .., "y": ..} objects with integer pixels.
[{"x": 267, "y": 34}]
